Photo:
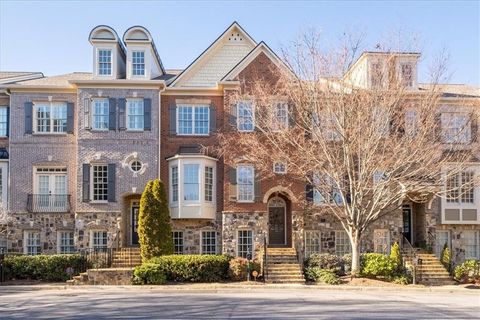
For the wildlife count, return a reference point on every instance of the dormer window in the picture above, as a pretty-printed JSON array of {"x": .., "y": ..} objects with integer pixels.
[
  {"x": 406, "y": 70},
  {"x": 105, "y": 62},
  {"x": 138, "y": 63}
]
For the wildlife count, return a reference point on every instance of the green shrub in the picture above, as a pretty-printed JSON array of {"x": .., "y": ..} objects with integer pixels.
[
  {"x": 324, "y": 261},
  {"x": 446, "y": 257},
  {"x": 193, "y": 268},
  {"x": 467, "y": 272},
  {"x": 149, "y": 273},
  {"x": 316, "y": 274},
  {"x": 396, "y": 256},
  {"x": 238, "y": 268},
  {"x": 403, "y": 279},
  {"x": 378, "y": 265},
  {"x": 44, "y": 267},
  {"x": 154, "y": 229}
]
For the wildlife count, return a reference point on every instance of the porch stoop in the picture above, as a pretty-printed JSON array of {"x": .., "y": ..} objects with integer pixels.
[
  {"x": 126, "y": 258},
  {"x": 432, "y": 272},
  {"x": 283, "y": 266}
]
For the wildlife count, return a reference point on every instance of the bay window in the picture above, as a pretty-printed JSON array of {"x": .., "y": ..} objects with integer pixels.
[
  {"x": 191, "y": 186},
  {"x": 460, "y": 204}
]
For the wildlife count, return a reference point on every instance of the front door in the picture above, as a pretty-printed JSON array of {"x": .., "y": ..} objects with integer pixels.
[
  {"x": 135, "y": 211},
  {"x": 276, "y": 222},
  {"x": 407, "y": 223}
]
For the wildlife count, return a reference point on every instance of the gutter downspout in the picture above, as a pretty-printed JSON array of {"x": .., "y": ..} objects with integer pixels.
[{"x": 160, "y": 128}]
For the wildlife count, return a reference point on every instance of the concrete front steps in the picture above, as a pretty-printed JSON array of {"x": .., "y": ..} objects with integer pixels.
[
  {"x": 283, "y": 266},
  {"x": 126, "y": 258},
  {"x": 110, "y": 276},
  {"x": 432, "y": 272}
]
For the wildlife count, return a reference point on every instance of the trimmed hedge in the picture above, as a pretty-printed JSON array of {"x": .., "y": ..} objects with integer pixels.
[
  {"x": 378, "y": 265},
  {"x": 44, "y": 267},
  {"x": 325, "y": 261},
  {"x": 316, "y": 274},
  {"x": 184, "y": 268},
  {"x": 238, "y": 268}
]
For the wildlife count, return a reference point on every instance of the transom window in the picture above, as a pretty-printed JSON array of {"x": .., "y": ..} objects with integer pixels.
[
  {"x": 312, "y": 242},
  {"x": 190, "y": 182},
  {"x": 245, "y": 183},
  {"x": 99, "y": 240},
  {"x": 100, "y": 114},
  {"x": 280, "y": 119},
  {"x": 209, "y": 242},
  {"x": 135, "y": 114},
  {"x": 456, "y": 127},
  {"x": 3, "y": 121},
  {"x": 51, "y": 117},
  {"x": 104, "y": 62},
  {"x": 138, "y": 63},
  {"x": 245, "y": 116},
  {"x": 193, "y": 119},
  {"x": 342, "y": 243},
  {"x": 209, "y": 184},
  {"x": 32, "y": 242},
  {"x": 100, "y": 182},
  {"x": 66, "y": 244},
  {"x": 280, "y": 167},
  {"x": 174, "y": 179},
  {"x": 177, "y": 242},
  {"x": 406, "y": 70},
  {"x": 460, "y": 188},
  {"x": 244, "y": 243}
]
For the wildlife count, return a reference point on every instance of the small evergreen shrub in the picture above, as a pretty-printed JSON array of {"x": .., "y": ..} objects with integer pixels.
[
  {"x": 149, "y": 273},
  {"x": 325, "y": 261},
  {"x": 378, "y": 265},
  {"x": 396, "y": 256},
  {"x": 446, "y": 258},
  {"x": 403, "y": 279},
  {"x": 238, "y": 270},
  {"x": 467, "y": 272},
  {"x": 192, "y": 268},
  {"x": 50, "y": 268},
  {"x": 319, "y": 275}
]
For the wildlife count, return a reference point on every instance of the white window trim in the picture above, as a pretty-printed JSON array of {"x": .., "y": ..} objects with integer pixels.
[
  {"x": 348, "y": 240},
  {"x": 127, "y": 114},
  {"x": 92, "y": 165},
  {"x": 144, "y": 75},
  {"x": 183, "y": 241},
  {"x": 25, "y": 242},
  {"x": 112, "y": 62},
  {"x": 92, "y": 116},
  {"x": 8, "y": 120},
  {"x": 281, "y": 163},
  {"x": 237, "y": 241},
  {"x": 253, "y": 183},
  {"x": 193, "y": 106},
  {"x": 476, "y": 236},
  {"x": 201, "y": 241},
  {"x": 59, "y": 241},
  {"x": 400, "y": 73},
  {"x": 287, "y": 120},
  {"x": 34, "y": 117},
  {"x": 467, "y": 130},
  {"x": 253, "y": 117},
  {"x": 305, "y": 242},
  {"x": 92, "y": 231}
]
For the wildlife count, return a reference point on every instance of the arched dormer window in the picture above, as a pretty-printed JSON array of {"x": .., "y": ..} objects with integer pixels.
[{"x": 108, "y": 53}]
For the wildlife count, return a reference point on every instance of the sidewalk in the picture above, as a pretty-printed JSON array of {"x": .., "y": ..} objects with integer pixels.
[{"x": 205, "y": 287}]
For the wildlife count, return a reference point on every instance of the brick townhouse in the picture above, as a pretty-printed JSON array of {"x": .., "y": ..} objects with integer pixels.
[{"x": 82, "y": 147}]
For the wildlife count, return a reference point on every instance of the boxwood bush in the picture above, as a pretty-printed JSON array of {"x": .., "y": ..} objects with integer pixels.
[
  {"x": 378, "y": 265},
  {"x": 316, "y": 274},
  {"x": 183, "y": 268},
  {"x": 324, "y": 261},
  {"x": 44, "y": 267},
  {"x": 467, "y": 272}
]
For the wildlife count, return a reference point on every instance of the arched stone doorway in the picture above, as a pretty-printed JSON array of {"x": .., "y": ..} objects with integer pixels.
[{"x": 279, "y": 222}]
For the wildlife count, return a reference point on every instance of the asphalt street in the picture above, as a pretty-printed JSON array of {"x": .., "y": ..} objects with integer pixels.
[{"x": 118, "y": 303}]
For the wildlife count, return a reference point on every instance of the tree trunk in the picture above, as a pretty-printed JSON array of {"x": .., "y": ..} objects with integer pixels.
[{"x": 355, "y": 244}]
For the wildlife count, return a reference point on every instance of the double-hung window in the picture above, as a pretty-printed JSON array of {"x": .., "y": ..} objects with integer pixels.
[
  {"x": 3, "y": 121},
  {"x": 32, "y": 242},
  {"x": 209, "y": 242},
  {"x": 244, "y": 243},
  {"x": 280, "y": 117},
  {"x": 100, "y": 112},
  {"x": 471, "y": 240},
  {"x": 456, "y": 127},
  {"x": 326, "y": 190},
  {"x": 51, "y": 117},
  {"x": 105, "y": 62},
  {"x": 138, "y": 63},
  {"x": 312, "y": 242},
  {"x": 65, "y": 242},
  {"x": 99, "y": 240},
  {"x": 245, "y": 116},
  {"x": 342, "y": 243},
  {"x": 209, "y": 184},
  {"x": 280, "y": 167},
  {"x": 174, "y": 179},
  {"x": 177, "y": 242},
  {"x": 460, "y": 188},
  {"x": 135, "y": 114},
  {"x": 100, "y": 182},
  {"x": 193, "y": 119},
  {"x": 245, "y": 183},
  {"x": 191, "y": 186}
]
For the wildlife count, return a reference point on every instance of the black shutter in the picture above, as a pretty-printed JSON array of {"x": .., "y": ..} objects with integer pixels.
[
  {"x": 70, "y": 117},
  {"x": 257, "y": 188},
  {"x": 111, "y": 182},
  {"x": 474, "y": 127},
  {"x": 28, "y": 117},
  {"x": 172, "y": 117},
  {"x": 86, "y": 183},
  {"x": 112, "y": 114},
  {"x": 213, "y": 119},
  {"x": 86, "y": 113},
  {"x": 122, "y": 117},
  {"x": 147, "y": 114},
  {"x": 309, "y": 190},
  {"x": 232, "y": 119},
  {"x": 8, "y": 122},
  {"x": 232, "y": 175}
]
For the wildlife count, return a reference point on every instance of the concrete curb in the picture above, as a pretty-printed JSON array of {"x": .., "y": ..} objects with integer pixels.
[{"x": 233, "y": 287}]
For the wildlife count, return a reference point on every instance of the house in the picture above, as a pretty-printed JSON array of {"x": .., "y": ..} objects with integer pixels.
[{"x": 82, "y": 147}]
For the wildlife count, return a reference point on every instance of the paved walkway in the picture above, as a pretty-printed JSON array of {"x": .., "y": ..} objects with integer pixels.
[{"x": 105, "y": 302}]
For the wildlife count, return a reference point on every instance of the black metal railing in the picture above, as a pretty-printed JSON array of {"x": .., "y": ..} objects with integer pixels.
[
  {"x": 98, "y": 258},
  {"x": 410, "y": 253},
  {"x": 265, "y": 259},
  {"x": 48, "y": 203}
]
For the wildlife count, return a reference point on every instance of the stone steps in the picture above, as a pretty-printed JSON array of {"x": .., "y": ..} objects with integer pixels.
[
  {"x": 283, "y": 266},
  {"x": 432, "y": 271},
  {"x": 126, "y": 257}
]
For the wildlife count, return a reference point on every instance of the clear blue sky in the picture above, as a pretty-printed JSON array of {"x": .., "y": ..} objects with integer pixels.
[{"x": 52, "y": 36}]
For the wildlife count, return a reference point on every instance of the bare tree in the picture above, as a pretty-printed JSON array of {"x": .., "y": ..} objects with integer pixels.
[
  {"x": 364, "y": 150},
  {"x": 4, "y": 221}
]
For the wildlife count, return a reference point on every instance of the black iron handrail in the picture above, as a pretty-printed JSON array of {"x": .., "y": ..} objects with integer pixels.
[
  {"x": 265, "y": 259},
  {"x": 98, "y": 258},
  {"x": 48, "y": 203},
  {"x": 410, "y": 251}
]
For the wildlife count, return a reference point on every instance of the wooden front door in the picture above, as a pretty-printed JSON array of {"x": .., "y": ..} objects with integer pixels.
[
  {"x": 276, "y": 222},
  {"x": 134, "y": 216}
]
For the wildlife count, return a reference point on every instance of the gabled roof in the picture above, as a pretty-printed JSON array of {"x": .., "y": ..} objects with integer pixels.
[
  {"x": 16, "y": 76},
  {"x": 215, "y": 45},
  {"x": 262, "y": 47}
]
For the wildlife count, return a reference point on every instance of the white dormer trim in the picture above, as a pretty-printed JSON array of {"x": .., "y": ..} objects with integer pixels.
[{"x": 105, "y": 38}]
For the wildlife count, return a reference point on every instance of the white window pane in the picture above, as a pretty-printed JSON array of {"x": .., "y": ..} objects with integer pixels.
[
  {"x": 245, "y": 183},
  {"x": 245, "y": 116},
  {"x": 3, "y": 121},
  {"x": 191, "y": 182},
  {"x": 244, "y": 243},
  {"x": 100, "y": 114}
]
